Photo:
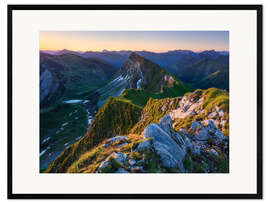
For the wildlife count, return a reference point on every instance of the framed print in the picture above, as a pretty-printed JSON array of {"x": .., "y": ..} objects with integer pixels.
[{"x": 135, "y": 101}]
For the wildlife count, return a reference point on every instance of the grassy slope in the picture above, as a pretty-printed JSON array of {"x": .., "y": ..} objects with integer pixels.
[
  {"x": 115, "y": 117},
  {"x": 90, "y": 161},
  {"x": 155, "y": 109},
  {"x": 140, "y": 97}
]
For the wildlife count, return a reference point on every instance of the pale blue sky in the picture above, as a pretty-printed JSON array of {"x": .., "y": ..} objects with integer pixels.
[{"x": 134, "y": 40}]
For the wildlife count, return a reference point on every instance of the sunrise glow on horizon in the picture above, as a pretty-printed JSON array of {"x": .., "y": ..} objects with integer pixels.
[{"x": 156, "y": 41}]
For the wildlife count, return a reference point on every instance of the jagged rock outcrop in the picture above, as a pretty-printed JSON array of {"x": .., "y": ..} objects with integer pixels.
[
  {"x": 210, "y": 106},
  {"x": 162, "y": 135},
  {"x": 189, "y": 105},
  {"x": 177, "y": 148}
]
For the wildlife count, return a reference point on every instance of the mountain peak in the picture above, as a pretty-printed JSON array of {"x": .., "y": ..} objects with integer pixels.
[{"x": 135, "y": 56}]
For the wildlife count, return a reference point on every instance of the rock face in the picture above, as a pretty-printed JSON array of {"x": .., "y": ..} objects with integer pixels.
[
  {"x": 138, "y": 72},
  {"x": 169, "y": 144},
  {"x": 170, "y": 152},
  {"x": 144, "y": 145},
  {"x": 174, "y": 148},
  {"x": 51, "y": 88},
  {"x": 45, "y": 84},
  {"x": 195, "y": 105},
  {"x": 142, "y": 73},
  {"x": 188, "y": 106}
]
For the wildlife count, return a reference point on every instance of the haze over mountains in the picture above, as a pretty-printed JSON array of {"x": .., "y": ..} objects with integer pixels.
[
  {"x": 181, "y": 63},
  {"x": 112, "y": 111},
  {"x": 164, "y": 59}
]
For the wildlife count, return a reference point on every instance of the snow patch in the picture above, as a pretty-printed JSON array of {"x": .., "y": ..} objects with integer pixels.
[
  {"x": 73, "y": 101},
  {"x": 64, "y": 124},
  {"x": 89, "y": 121},
  {"x": 139, "y": 82},
  {"x": 43, "y": 152},
  {"x": 46, "y": 140},
  {"x": 78, "y": 138}
]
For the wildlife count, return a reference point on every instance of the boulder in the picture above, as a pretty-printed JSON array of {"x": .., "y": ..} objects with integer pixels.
[
  {"x": 202, "y": 135},
  {"x": 214, "y": 152},
  {"x": 117, "y": 138},
  {"x": 131, "y": 162},
  {"x": 143, "y": 145},
  {"x": 208, "y": 130},
  {"x": 103, "y": 165},
  {"x": 194, "y": 148},
  {"x": 170, "y": 152},
  {"x": 166, "y": 123},
  {"x": 119, "y": 157},
  {"x": 220, "y": 136},
  {"x": 195, "y": 125}
]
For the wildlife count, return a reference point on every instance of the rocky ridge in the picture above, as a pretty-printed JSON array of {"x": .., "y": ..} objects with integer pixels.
[{"x": 197, "y": 147}]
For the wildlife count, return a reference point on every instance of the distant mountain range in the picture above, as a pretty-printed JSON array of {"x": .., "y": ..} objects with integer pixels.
[{"x": 181, "y": 63}]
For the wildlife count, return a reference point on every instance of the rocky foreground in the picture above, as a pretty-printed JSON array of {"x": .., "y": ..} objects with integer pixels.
[{"x": 186, "y": 134}]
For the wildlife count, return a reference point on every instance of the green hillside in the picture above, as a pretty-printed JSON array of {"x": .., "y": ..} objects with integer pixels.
[
  {"x": 115, "y": 117},
  {"x": 140, "y": 97}
]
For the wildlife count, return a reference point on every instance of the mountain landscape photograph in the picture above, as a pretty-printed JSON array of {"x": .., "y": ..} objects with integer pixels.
[{"x": 134, "y": 102}]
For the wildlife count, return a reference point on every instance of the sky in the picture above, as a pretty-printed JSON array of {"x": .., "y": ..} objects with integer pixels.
[{"x": 156, "y": 41}]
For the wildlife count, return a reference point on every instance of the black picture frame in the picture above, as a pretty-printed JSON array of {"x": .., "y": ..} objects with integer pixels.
[{"x": 258, "y": 195}]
